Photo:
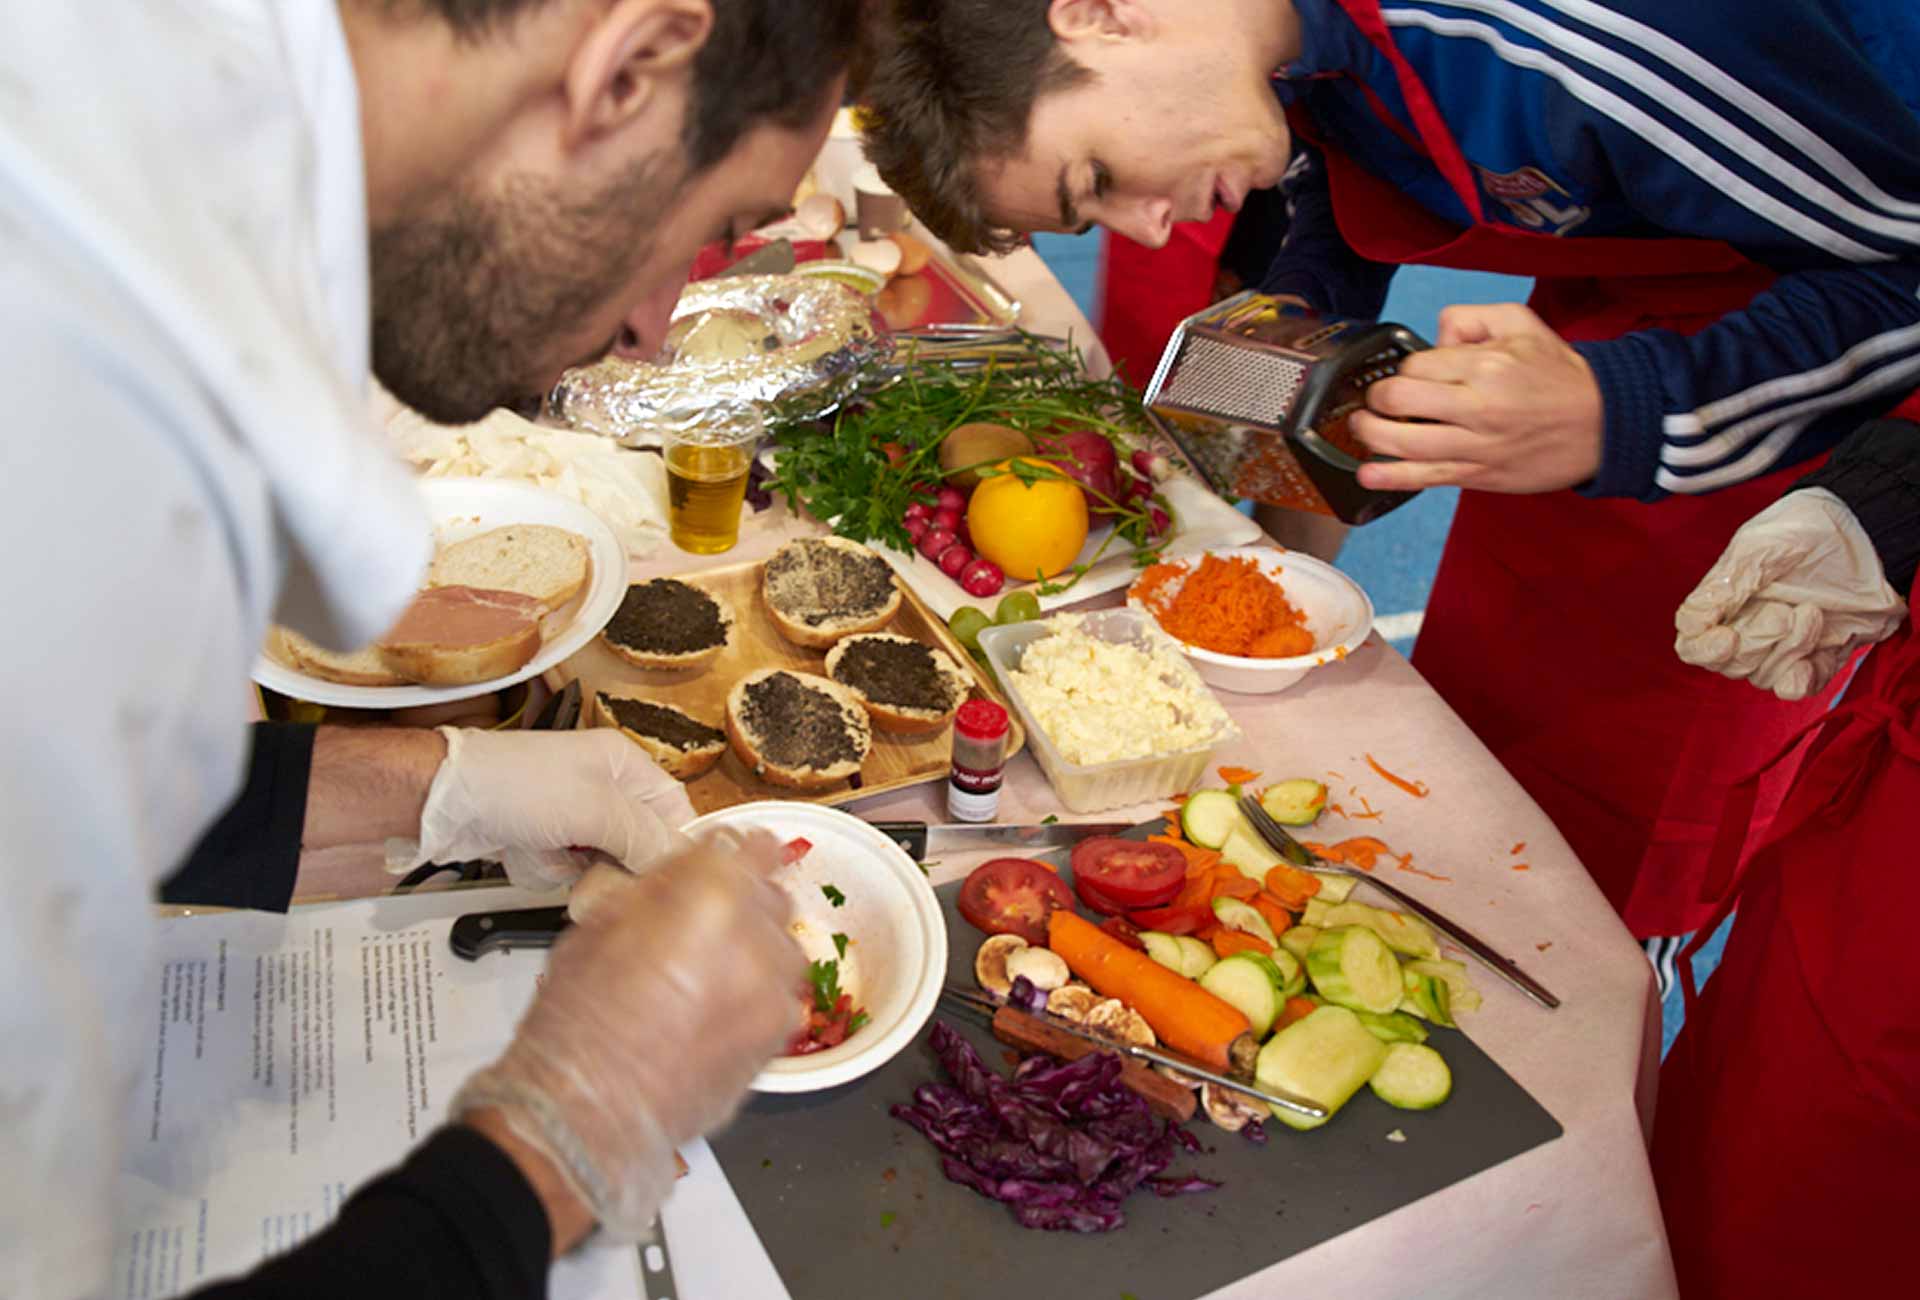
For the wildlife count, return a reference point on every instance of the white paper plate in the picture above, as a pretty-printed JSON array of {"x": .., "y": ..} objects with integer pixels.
[
  {"x": 466, "y": 507},
  {"x": 896, "y": 956},
  {"x": 1202, "y": 522}
]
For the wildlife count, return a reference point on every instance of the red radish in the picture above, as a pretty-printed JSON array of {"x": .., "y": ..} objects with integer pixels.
[
  {"x": 951, "y": 498},
  {"x": 954, "y": 559},
  {"x": 919, "y": 510},
  {"x": 1151, "y": 465},
  {"x": 966, "y": 538},
  {"x": 1140, "y": 488},
  {"x": 1088, "y": 459},
  {"x": 947, "y": 519},
  {"x": 982, "y": 578},
  {"x": 917, "y": 528},
  {"x": 935, "y": 541},
  {"x": 1159, "y": 522}
]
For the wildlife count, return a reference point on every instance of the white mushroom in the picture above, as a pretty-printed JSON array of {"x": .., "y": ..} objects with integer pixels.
[
  {"x": 1114, "y": 1019},
  {"x": 1231, "y": 1110},
  {"x": 1180, "y": 1077},
  {"x": 1072, "y": 1002},
  {"x": 1042, "y": 967},
  {"x": 990, "y": 964}
]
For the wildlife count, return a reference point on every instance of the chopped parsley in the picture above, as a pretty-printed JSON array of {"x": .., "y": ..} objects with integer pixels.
[
  {"x": 859, "y": 1018},
  {"x": 887, "y": 1217},
  {"x": 824, "y": 976},
  {"x": 840, "y": 944},
  {"x": 1050, "y": 819},
  {"x": 834, "y": 896}
]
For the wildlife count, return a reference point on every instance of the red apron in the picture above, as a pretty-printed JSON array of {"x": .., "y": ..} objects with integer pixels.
[
  {"x": 1788, "y": 1126},
  {"x": 1550, "y": 626},
  {"x": 1146, "y": 292}
]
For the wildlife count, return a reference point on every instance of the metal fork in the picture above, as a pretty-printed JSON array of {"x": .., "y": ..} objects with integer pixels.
[{"x": 1281, "y": 842}]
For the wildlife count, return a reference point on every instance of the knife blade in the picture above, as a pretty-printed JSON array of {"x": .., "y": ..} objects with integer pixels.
[
  {"x": 776, "y": 258},
  {"x": 922, "y": 839}
]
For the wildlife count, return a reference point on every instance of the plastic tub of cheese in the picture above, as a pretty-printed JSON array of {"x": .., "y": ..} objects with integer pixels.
[{"x": 1114, "y": 711}]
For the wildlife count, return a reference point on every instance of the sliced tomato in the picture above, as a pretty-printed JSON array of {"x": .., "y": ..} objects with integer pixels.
[
  {"x": 1174, "y": 918},
  {"x": 793, "y": 850},
  {"x": 1133, "y": 873},
  {"x": 1013, "y": 896},
  {"x": 1124, "y": 930},
  {"x": 1095, "y": 900}
]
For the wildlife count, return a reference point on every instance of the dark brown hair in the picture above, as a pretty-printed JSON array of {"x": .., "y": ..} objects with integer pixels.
[
  {"x": 765, "y": 60},
  {"x": 947, "y": 85}
]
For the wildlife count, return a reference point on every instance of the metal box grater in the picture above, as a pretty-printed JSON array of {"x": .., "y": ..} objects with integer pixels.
[{"x": 1257, "y": 393}]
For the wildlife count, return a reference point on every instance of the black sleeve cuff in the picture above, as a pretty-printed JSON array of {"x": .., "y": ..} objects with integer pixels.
[
  {"x": 250, "y": 856},
  {"x": 1876, "y": 472}
]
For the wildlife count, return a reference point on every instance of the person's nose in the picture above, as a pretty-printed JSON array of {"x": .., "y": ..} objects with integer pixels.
[
  {"x": 644, "y": 330},
  {"x": 1146, "y": 221}
]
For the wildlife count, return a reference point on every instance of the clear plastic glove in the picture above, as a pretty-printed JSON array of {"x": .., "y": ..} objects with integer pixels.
[
  {"x": 528, "y": 797},
  {"x": 658, "y": 1009},
  {"x": 1796, "y": 592}
]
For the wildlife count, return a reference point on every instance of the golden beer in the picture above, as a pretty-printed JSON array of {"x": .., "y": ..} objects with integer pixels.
[{"x": 706, "y": 487}]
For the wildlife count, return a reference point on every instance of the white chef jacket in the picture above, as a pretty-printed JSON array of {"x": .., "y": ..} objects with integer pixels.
[{"x": 184, "y": 458}]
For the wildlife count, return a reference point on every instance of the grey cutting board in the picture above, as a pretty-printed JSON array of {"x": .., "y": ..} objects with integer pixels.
[{"x": 850, "y": 1202}]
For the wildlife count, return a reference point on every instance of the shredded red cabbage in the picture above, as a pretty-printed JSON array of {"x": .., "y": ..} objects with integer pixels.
[
  {"x": 1063, "y": 1143},
  {"x": 1025, "y": 997}
]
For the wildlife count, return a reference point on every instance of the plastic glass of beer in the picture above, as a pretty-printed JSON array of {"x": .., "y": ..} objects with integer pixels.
[{"x": 707, "y": 483}]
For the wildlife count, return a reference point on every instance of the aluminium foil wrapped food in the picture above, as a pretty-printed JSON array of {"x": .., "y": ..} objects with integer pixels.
[{"x": 739, "y": 346}]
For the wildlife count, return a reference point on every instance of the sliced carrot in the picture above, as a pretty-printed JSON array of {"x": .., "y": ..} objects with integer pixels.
[
  {"x": 1291, "y": 886},
  {"x": 1206, "y": 932},
  {"x": 1277, "y": 914},
  {"x": 1185, "y": 1016},
  {"x": 1228, "y": 942},
  {"x": 1239, "y": 775},
  {"x": 1229, "y": 883},
  {"x": 1296, "y": 1009}
]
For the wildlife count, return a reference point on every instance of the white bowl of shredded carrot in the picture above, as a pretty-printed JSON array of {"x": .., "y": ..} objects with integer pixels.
[{"x": 1255, "y": 619}]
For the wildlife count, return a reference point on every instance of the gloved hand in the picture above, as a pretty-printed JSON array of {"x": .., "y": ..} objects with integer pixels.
[
  {"x": 526, "y": 797},
  {"x": 658, "y": 1008},
  {"x": 1796, "y": 592}
]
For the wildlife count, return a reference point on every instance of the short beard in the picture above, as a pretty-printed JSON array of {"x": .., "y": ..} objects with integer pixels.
[{"x": 470, "y": 295}]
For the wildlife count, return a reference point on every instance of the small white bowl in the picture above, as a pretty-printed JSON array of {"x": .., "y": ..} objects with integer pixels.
[
  {"x": 1337, "y": 611},
  {"x": 896, "y": 956}
]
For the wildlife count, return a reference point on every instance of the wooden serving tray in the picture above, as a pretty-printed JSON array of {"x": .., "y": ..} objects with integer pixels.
[{"x": 895, "y": 761}]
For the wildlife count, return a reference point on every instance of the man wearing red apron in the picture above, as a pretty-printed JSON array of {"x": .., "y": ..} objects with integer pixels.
[{"x": 1720, "y": 203}]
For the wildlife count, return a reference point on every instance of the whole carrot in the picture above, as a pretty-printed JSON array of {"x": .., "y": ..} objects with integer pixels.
[{"x": 1185, "y": 1016}]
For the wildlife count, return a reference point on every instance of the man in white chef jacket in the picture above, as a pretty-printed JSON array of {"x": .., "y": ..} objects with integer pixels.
[{"x": 217, "y": 217}]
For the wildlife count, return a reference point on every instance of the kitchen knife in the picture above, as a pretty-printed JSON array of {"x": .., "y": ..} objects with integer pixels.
[
  {"x": 776, "y": 258},
  {"x": 478, "y": 933},
  {"x": 922, "y": 840}
]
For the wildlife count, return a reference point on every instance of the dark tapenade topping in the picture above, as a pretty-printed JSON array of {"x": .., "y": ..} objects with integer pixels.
[
  {"x": 796, "y": 725},
  {"x": 658, "y": 722},
  {"x": 813, "y": 583},
  {"x": 903, "y": 674},
  {"x": 667, "y": 617}
]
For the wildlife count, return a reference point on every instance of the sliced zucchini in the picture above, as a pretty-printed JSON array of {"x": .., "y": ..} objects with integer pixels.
[
  {"x": 1334, "y": 887},
  {"x": 1290, "y": 975},
  {"x": 1249, "y": 852},
  {"x": 1462, "y": 994},
  {"x": 1295, "y": 803},
  {"x": 1413, "y": 1077},
  {"x": 1165, "y": 949},
  {"x": 1426, "y": 996},
  {"x": 1315, "y": 913},
  {"x": 1325, "y": 1057},
  {"x": 1298, "y": 939},
  {"x": 1244, "y": 985},
  {"x": 1236, "y": 915},
  {"x": 1195, "y": 957},
  {"x": 1404, "y": 934},
  {"x": 1208, "y": 817},
  {"x": 1353, "y": 967},
  {"x": 1393, "y": 1027}
]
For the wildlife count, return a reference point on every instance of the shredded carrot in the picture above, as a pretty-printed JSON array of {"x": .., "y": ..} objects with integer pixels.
[
  {"x": 1371, "y": 814},
  {"x": 1199, "y": 861},
  {"x": 1418, "y": 789},
  {"x": 1274, "y": 910},
  {"x": 1339, "y": 652},
  {"x": 1239, "y": 775},
  {"x": 1518, "y": 849},
  {"x": 1362, "y": 851},
  {"x": 1404, "y": 861},
  {"x": 1521, "y": 866},
  {"x": 1228, "y": 942},
  {"x": 1229, "y": 606},
  {"x": 1336, "y": 810},
  {"x": 1337, "y": 776}
]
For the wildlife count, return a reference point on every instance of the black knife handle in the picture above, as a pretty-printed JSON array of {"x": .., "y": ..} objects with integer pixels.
[
  {"x": 911, "y": 836},
  {"x": 479, "y": 933}
]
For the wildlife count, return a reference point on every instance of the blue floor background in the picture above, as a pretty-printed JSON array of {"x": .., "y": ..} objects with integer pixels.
[{"x": 1394, "y": 558}]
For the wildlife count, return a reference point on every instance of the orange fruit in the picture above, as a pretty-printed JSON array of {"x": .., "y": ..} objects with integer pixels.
[{"x": 1029, "y": 529}]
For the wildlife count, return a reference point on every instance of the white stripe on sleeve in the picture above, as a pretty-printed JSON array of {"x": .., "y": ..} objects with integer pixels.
[
  {"x": 1838, "y": 371},
  {"x": 1898, "y": 377}
]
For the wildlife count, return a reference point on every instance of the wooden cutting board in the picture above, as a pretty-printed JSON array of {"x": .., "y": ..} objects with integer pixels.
[{"x": 757, "y": 643}]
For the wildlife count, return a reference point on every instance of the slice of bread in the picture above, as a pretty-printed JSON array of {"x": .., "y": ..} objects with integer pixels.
[
  {"x": 909, "y": 687},
  {"x": 456, "y": 636},
  {"x": 683, "y": 745},
  {"x": 550, "y": 564},
  {"x": 797, "y": 730},
  {"x": 669, "y": 624},
  {"x": 362, "y": 667},
  {"x": 820, "y": 589}
]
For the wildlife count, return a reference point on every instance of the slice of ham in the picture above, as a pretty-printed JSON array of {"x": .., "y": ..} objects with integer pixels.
[{"x": 453, "y": 636}]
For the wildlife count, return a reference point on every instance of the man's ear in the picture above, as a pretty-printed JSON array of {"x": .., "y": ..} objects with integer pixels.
[
  {"x": 625, "y": 56},
  {"x": 1074, "y": 21}
]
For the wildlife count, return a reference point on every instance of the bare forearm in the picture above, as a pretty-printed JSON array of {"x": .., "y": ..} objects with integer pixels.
[{"x": 369, "y": 784}]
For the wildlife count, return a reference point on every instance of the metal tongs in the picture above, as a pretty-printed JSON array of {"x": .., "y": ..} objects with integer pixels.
[{"x": 1297, "y": 853}]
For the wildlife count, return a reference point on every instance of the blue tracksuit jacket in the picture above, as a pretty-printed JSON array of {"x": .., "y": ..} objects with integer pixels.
[{"x": 1789, "y": 129}]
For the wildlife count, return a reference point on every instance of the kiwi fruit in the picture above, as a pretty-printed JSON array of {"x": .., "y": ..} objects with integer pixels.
[{"x": 973, "y": 445}]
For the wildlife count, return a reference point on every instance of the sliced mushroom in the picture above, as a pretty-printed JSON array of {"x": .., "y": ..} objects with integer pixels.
[
  {"x": 990, "y": 964},
  {"x": 1231, "y": 1110},
  {"x": 1114, "y": 1019},
  {"x": 1072, "y": 1002},
  {"x": 1180, "y": 1077},
  {"x": 1043, "y": 968}
]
